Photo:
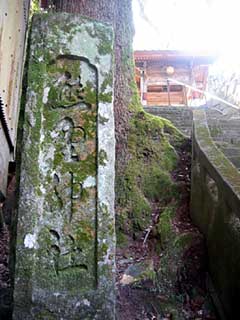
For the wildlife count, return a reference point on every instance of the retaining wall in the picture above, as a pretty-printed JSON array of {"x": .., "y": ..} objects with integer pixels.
[
  {"x": 215, "y": 209},
  {"x": 224, "y": 125}
]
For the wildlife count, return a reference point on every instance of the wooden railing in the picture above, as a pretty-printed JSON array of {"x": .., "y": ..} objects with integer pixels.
[{"x": 205, "y": 93}]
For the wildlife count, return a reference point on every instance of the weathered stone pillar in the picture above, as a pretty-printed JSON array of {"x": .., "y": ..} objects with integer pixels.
[{"x": 66, "y": 229}]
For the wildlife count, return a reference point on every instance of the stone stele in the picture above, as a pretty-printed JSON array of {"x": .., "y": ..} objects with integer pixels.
[{"x": 65, "y": 247}]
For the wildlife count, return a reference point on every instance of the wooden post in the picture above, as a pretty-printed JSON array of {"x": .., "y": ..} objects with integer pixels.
[
  {"x": 142, "y": 86},
  {"x": 185, "y": 96},
  {"x": 168, "y": 90}
]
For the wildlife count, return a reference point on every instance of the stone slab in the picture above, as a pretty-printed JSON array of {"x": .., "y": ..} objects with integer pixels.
[
  {"x": 215, "y": 203},
  {"x": 65, "y": 256}
]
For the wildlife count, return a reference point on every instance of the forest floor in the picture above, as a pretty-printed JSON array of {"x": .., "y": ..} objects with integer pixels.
[
  {"x": 139, "y": 295},
  {"x": 143, "y": 299},
  {"x": 6, "y": 287}
]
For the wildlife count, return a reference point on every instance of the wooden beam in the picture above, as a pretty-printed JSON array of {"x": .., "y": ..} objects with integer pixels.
[{"x": 168, "y": 89}]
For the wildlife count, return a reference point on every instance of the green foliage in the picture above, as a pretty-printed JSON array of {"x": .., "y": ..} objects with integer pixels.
[
  {"x": 158, "y": 184},
  {"x": 165, "y": 227}
]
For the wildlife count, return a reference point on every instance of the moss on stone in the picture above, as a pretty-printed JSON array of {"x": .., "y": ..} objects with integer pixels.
[
  {"x": 104, "y": 45},
  {"x": 102, "y": 120},
  {"x": 105, "y": 97},
  {"x": 90, "y": 93},
  {"x": 147, "y": 176},
  {"x": 60, "y": 136},
  {"x": 158, "y": 185},
  {"x": 165, "y": 226},
  {"x": 45, "y": 315},
  {"x": 122, "y": 239},
  {"x": 107, "y": 82},
  {"x": 102, "y": 157},
  {"x": 183, "y": 241},
  {"x": 214, "y": 154}
]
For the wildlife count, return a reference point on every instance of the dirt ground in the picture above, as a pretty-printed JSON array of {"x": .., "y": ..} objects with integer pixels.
[
  {"x": 142, "y": 299},
  {"x": 6, "y": 287}
]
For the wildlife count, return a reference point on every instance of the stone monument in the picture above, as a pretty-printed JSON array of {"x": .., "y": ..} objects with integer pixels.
[{"x": 66, "y": 229}]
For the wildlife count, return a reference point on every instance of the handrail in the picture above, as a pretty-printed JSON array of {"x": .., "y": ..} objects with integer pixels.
[{"x": 204, "y": 92}]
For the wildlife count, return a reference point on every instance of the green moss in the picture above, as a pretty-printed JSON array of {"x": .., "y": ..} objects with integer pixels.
[
  {"x": 140, "y": 211},
  {"x": 84, "y": 233},
  {"x": 215, "y": 131},
  {"x": 90, "y": 95},
  {"x": 45, "y": 315},
  {"x": 52, "y": 96},
  {"x": 183, "y": 241},
  {"x": 84, "y": 195},
  {"x": 105, "y": 97},
  {"x": 104, "y": 210},
  {"x": 165, "y": 226},
  {"x": 107, "y": 82},
  {"x": 158, "y": 185},
  {"x": 104, "y": 45},
  {"x": 149, "y": 274},
  {"x": 102, "y": 157},
  {"x": 172, "y": 307},
  {"x": 102, "y": 120},
  {"x": 122, "y": 239},
  {"x": 35, "y": 7},
  {"x": 102, "y": 249},
  {"x": 216, "y": 157},
  {"x": 143, "y": 271},
  {"x": 147, "y": 176}
]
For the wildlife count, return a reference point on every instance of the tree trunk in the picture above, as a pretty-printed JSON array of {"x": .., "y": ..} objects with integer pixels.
[
  {"x": 119, "y": 15},
  {"x": 144, "y": 144}
]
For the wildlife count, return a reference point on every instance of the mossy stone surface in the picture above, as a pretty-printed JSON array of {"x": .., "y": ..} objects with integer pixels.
[
  {"x": 215, "y": 202},
  {"x": 66, "y": 234},
  {"x": 147, "y": 176}
]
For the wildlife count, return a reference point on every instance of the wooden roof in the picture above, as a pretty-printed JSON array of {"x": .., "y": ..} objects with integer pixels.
[{"x": 172, "y": 55}]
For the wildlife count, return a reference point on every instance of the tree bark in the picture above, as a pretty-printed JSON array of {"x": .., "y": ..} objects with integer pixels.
[
  {"x": 145, "y": 144},
  {"x": 119, "y": 14}
]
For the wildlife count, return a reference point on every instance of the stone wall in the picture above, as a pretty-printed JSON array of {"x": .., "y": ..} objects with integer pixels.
[
  {"x": 181, "y": 117},
  {"x": 215, "y": 203},
  {"x": 224, "y": 125},
  {"x": 65, "y": 236}
]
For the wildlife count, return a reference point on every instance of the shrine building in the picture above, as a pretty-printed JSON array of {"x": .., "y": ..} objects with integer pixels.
[{"x": 165, "y": 77}]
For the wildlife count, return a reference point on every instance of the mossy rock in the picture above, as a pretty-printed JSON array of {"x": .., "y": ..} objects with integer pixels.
[
  {"x": 138, "y": 272},
  {"x": 147, "y": 175},
  {"x": 172, "y": 261},
  {"x": 122, "y": 239},
  {"x": 165, "y": 227}
]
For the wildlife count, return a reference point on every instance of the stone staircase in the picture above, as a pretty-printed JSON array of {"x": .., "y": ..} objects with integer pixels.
[
  {"x": 223, "y": 122},
  {"x": 224, "y": 126},
  {"x": 181, "y": 117}
]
